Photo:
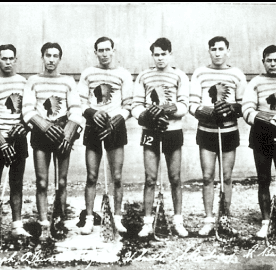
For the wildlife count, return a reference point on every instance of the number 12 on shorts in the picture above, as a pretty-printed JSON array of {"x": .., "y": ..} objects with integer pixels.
[{"x": 147, "y": 140}]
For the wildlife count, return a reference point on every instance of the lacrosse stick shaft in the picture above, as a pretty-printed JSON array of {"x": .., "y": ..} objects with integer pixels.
[
  {"x": 105, "y": 168},
  {"x": 56, "y": 171},
  {"x": 2, "y": 199},
  {"x": 160, "y": 168},
  {"x": 220, "y": 160},
  {"x": 5, "y": 184}
]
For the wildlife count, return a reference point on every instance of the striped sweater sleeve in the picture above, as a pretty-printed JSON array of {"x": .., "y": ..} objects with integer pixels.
[
  {"x": 139, "y": 97},
  {"x": 249, "y": 102},
  {"x": 127, "y": 91},
  {"x": 73, "y": 103},
  {"x": 182, "y": 98},
  {"x": 83, "y": 90},
  {"x": 195, "y": 93},
  {"x": 29, "y": 100},
  {"x": 241, "y": 85}
]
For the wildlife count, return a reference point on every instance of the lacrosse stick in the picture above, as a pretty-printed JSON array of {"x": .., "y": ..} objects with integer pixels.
[
  {"x": 270, "y": 238},
  {"x": 160, "y": 223},
  {"x": 222, "y": 204},
  {"x": 220, "y": 92},
  {"x": 107, "y": 225},
  {"x": 58, "y": 231},
  {"x": 1, "y": 202}
]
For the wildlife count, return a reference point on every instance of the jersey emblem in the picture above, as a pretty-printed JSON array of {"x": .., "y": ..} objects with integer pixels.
[
  {"x": 52, "y": 105},
  {"x": 161, "y": 95},
  {"x": 103, "y": 93},
  {"x": 219, "y": 92},
  {"x": 271, "y": 100},
  {"x": 14, "y": 103}
]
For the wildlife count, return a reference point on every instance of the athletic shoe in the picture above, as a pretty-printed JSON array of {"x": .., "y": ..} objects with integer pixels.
[
  {"x": 262, "y": 233},
  {"x": 18, "y": 230},
  {"x": 118, "y": 224},
  {"x": 88, "y": 227},
  {"x": 209, "y": 224},
  {"x": 178, "y": 226},
  {"x": 45, "y": 230},
  {"x": 147, "y": 227}
]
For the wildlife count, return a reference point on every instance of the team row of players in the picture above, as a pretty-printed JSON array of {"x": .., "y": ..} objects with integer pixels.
[{"x": 53, "y": 105}]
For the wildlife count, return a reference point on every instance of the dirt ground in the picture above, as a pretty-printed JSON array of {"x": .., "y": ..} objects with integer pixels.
[{"x": 193, "y": 252}]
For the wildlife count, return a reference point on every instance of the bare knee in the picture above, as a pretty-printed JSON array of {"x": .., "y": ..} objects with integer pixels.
[
  {"x": 175, "y": 181},
  {"x": 208, "y": 180},
  {"x": 92, "y": 179},
  {"x": 150, "y": 181},
  {"x": 62, "y": 183},
  {"x": 227, "y": 181},
  {"x": 41, "y": 185},
  {"x": 117, "y": 179}
]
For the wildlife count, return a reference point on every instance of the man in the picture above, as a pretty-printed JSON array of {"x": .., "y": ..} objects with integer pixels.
[
  {"x": 160, "y": 101},
  {"x": 13, "y": 143},
  {"x": 258, "y": 107},
  {"x": 106, "y": 94},
  {"x": 52, "y": 105},
  {"x": 215, "y": 97}
]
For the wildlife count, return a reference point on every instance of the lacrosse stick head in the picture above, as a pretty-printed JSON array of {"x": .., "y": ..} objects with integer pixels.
[
  {"x": 271, "y": 232},
  {"x": 161, "y": 228},
  {"x": 108, "y": 229},
  {"x": 14, "y": 103}
]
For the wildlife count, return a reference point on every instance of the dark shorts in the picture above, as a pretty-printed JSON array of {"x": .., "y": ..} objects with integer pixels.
[
  {"x": 209, "y": 140},
  {"x": 21, "y": 148},
  {"x": 116, "y": 139},
  {"x": 261, "y": 139},
  {"x": 39, "y": 140},
  {"x": 171, "y": 140}
]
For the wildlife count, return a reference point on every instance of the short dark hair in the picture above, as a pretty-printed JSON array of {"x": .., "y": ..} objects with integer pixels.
[
  {"x": 50, "y": 45},
  {"x": 162, "y": 43},
  {"x": 268, "y": 50},
  {"x": 8, "y": 47},
  {"x": 103, "y": 39},
  {"x": 212, "y": 41}
]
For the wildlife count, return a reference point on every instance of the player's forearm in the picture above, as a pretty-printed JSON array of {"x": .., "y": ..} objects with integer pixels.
[
  {"x": 249, "y": 111},
  {"x": 193, "y": 107},
  {"x": 137, "y": 110},
  {"x": 125, "y": 113},
  {"x": 75, "y": 116},
  {"x": 182, "y": 109},
  {"x": 28, "y": 115}
]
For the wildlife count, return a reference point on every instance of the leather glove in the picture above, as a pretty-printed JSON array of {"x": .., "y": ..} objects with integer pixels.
[
  {"x": 65, "y": 148},
  {"x": 18, "y": 130},
  {"x": 111, "y": 126},
  {"x": 8, "y": 153},
  {"x": 155, "y": 112},
  {"x": 71, "y": 134},
  {"x": 161, "y": 124},
  {"x": 53, "y": 132},
  {"x": 223, "y": 108},
  {"x": 147, "y": 118},
  {"x": 169, "y": 109},
  {"x": 100, "y": 118}
]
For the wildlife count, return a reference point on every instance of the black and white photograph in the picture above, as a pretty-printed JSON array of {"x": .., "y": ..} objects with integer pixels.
[{"x": 138, "y": 135}]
